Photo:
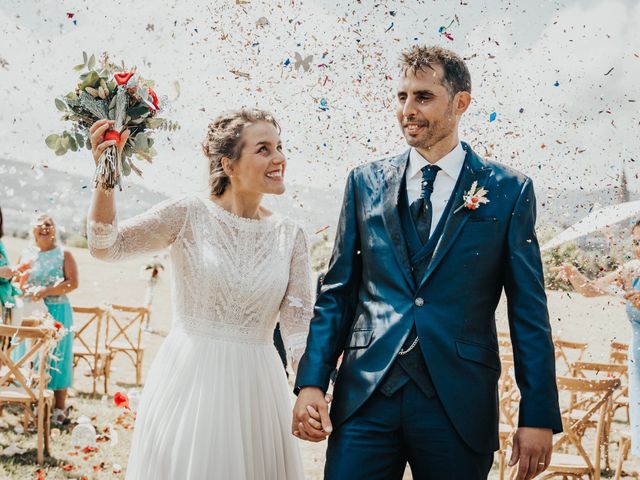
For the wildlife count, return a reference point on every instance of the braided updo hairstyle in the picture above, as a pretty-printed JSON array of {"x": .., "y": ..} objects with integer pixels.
[{"x": 223, "y": 139}]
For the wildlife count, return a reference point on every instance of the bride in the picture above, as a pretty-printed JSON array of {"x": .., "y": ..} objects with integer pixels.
[{"x": 216, "y": 401}]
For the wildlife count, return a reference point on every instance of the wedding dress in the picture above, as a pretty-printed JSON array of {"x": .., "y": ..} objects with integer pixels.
[{"x": 216, "y": 402}]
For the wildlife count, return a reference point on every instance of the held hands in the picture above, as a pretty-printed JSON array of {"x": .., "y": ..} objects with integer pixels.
[
  {"x": 532, "y": 451},
  {"x": 99, "y": 144},
  {"x": 311, "y": 415}
]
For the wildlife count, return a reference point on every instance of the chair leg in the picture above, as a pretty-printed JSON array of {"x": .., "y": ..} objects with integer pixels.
[
  {"x": 139, "y": 355},
  {"x": 94, "y": 374},
  {"x": 623, "y": 452},
  {"x": 47, "y": 428},
  {"x": 26, "y": 416},
  {"x": 40, "y": 423},
  {"x": 107, "y": 372},
  {"x": 605, "y": 447},
  {"x": 501, "y": 462}
]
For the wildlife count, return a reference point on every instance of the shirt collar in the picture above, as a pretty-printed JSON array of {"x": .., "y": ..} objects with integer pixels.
[{"x": 451, "y": 163}]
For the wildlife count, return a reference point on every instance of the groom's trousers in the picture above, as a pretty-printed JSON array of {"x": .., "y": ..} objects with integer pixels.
[{"x": 387, "y": 432}]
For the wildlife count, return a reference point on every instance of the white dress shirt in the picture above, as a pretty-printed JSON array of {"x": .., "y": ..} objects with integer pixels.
[{"x": 450, "y": 168}]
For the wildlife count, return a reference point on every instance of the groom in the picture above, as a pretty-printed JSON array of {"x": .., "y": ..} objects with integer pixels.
[{"x": 426, "y": 242}]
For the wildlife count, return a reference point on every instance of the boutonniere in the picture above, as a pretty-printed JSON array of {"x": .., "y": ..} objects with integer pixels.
[{"x": 473, "y": 198}]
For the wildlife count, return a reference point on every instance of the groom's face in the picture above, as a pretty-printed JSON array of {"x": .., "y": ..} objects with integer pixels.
[{"x": 425, "y": 110}]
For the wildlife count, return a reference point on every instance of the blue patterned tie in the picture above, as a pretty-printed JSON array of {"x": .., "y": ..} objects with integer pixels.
[{"x": 421, "y": 210}]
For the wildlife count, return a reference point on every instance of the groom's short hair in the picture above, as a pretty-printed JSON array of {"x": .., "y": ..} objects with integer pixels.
[{"x": 456, "y": 76}]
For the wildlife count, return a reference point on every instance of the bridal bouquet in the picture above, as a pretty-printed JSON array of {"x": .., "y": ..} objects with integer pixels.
[{"x": 111, "y": 92}]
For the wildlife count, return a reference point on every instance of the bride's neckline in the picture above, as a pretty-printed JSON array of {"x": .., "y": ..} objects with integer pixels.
[{"x": 233, "y": 216}]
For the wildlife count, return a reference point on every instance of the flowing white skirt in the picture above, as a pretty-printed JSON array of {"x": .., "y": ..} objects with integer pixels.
[{"x": 214, "y": 409}]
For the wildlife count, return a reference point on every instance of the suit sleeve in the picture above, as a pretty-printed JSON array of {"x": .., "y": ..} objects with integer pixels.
[
  {"x": 531, "y": 339},
  {"x": 336, "y": 304}
]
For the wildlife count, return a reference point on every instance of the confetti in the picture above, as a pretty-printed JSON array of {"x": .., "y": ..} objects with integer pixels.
[
  {"x": 493, "y": 116},
  {"x": 304, "y": 63}
]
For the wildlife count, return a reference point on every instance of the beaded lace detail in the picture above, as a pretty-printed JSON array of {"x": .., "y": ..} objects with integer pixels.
[{"x": 231, "y": 276}]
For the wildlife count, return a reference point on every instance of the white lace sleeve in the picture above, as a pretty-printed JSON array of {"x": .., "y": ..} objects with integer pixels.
[
  {"x": 296, "y": 308},
  {"x": 153, "y": 230}
]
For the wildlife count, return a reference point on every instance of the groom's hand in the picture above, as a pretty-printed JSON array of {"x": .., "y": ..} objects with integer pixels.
[
  {"x": 311, "y": 401},
  {"x": 532, "y": 450}
]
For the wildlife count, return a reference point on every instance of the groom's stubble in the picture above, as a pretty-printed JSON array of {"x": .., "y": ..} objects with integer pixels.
[{"x": 435, "y": 131}]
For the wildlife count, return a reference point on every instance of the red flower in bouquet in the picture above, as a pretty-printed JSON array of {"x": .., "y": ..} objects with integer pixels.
[
  {"x": 112, "y": 135},
  {"x": 154, "y": 98},
  {"x": 121, "y": 400},
  {"x": 122, "y": 78}
]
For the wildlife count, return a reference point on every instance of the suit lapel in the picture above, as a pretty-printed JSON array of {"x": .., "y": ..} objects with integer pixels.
[
  {"x": 392, "y": 174},
  {"x": 473, "y": 170}
]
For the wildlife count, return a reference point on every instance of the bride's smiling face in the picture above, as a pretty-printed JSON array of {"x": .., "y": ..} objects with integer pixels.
[{"x": 262, "y": 163}]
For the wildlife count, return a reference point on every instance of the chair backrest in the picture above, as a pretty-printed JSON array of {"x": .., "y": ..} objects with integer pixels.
[
  {"x": 88, "y": 322},
  {"x": 596, "y": 369},
  {"x": 124, "y": 324},
  {"x": 568, "y": 352},
  {"x": 28, "y": 372},
  {"x": 600, "y": 392},
  {"x": 619, "y": 352}
]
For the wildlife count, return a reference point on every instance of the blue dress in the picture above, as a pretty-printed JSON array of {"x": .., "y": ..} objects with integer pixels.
[
  {"x": 7, "y": 291},
  {"x": 634, "y": 371},
  {"x": 47, "y": 269}
]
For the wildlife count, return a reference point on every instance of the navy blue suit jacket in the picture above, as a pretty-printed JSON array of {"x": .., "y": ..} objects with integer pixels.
[{"x": 367, "y": 304}]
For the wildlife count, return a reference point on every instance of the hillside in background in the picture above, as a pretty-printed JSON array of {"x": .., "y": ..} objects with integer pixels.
[{"x": 24, "y": 191}]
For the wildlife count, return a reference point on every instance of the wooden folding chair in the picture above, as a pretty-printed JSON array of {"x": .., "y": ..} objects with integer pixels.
[
  {"x": 620, "y": 354},
  {"x": 124, "y": 334},
  {"x": 624, "y": 445},
  {"x": 508, "y": 404},
  {"x": 24, "y": 381},
  {"x": 89, "y": 345},
  {"x": 578, "y": 463},
  {"x": 595, "y": 371},
  {"x": 566, "y": 353},
  {"x": 506, "y": 350}
]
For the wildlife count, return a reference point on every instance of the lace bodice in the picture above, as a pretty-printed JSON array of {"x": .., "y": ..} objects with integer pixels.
[{"x": 231, "y": 276}]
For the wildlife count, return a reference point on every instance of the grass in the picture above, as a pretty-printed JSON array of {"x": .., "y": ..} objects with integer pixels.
[{"x": 66, "y": 462}]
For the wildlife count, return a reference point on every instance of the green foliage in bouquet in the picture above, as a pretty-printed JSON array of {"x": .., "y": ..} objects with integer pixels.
[{"x": 107, "y": 91}]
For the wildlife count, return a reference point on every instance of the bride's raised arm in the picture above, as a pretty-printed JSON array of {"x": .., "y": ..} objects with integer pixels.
[
  {"x": 153, "y": 230},
  {"x": 296, "y": 308}
]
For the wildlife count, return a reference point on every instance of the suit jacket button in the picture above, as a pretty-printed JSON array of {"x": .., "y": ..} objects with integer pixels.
[{"x": 419, "y": 302}]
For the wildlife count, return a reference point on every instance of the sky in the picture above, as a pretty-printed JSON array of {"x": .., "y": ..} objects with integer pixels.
[{"x": 561, "y": 77}]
